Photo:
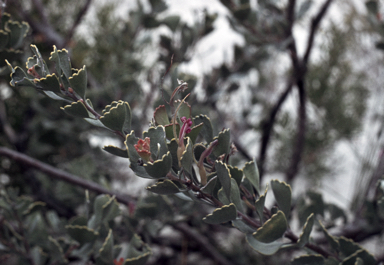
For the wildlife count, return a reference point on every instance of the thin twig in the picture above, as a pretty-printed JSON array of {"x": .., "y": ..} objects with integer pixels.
[{"x": 62, "y": 175}]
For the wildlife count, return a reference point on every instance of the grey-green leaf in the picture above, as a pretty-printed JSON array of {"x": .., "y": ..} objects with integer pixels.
[
  {"x": 273, "y": 229},
  {"x": 251, "y": 172},
  {"x": 165, "y": 187},
  {"x": 159, "y": 168},
  {"x": 283, "y": 195},
  {"x": 263, "y": 248},
  {"x": 78, "y": 82},
  {"x": 222, "y": 215},
  {"x": 304, "y": 237},
  {"x": 224, "y": 177},
  {"x": 308, "y": 259}
]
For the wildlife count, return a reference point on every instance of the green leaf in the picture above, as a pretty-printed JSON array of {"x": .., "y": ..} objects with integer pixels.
[
  {"x": 308, "y": 259},
  {"x": 353, "y": 251},
  {"x": 304, "y": 237},
  {"x": 118, "y": 117},
  {"x": 134, "y": 157},
  {"x": 17, "y": 32},
  {"x": 236, "y": 174},
  {"x": 206, "y": 131},
  {"x": 210, "y": 186},
  {"x": 259, "y": 205},
  {"x": 251, "y": 173},
  {"x": 172, "y": 147},
  {"x": 242, "y": 226},
  {"x": 138, "y": 252},
  {"x": 116, "y": 151},
  {"x": 37, "y": 254},
  {"x": 106, "y": 251},
  {"x": 160, "y": 116},
  {"x": 195, "y": 130},
  {"x": 171, "y": 22},
  {"x": 94, "y": 122},
  {"x": 76, "y": 109},
  {"x": 273, "y": 229},
  {"x": 159, "y": 168},
  {"x": 224, "y": 177},
  {"x": 283, "y": 195},
  {"x": 263, "y": 248},
  {"x": 158, "y": 144},
  {"x": 56, "y": 251},
  {"x": 184, "y": 110},
  {"x": 235, "y": 196},
  {"x": 4, "y": 38},
  {"x": 186, "y": 159},
  {"x": 224, "y": 143},
  {"x": 81, "y": 234},
  {"x": 105, "y": 208},
  {"x": 222, "y": 215},
  {"x": 332, "y": 241},
  {"x": 49, "y": 83},
  {"x": 165, "y": 187},
  {"x": 62, "y": 61},
  {"x": 78, "y": 82}
]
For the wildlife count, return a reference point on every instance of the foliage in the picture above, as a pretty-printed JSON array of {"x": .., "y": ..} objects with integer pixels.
[{"x": 191, "y": 163}]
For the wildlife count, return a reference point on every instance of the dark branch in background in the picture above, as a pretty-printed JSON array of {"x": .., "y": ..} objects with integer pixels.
[
  {"x": 300, "y": 70},
  {"x": 206, "y": 247},
  {"x": 62, "y": 175},
  {"x": 78, "y": 19},
  {"x": 267, "y": 128}
]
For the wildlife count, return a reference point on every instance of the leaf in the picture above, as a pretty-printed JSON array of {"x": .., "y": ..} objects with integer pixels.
[
  {"x": 273, "y": 229},
  {"x": 206, "y": 131},
  {"x": 242, "y": 226},
  {"x": 95, "y": 122},
  {"x": 235, "y": 196},
  {"x": 224, "y": 177},
  {"x": 17, "y": 32},
  {"x": 251, "y": 173},
  {"x": 224, "y": 144},
  {"x": 259, "y": 205},
  {"x": 81, "y": 234},
  {"x": 171, "y": 22},
  {"x": 118, "y": 117},
  {"x": 50, "y": 83},
  {"x": 62, "y": 61},
  {"x": 353, "y": 251},
  {"x": 165, "y": 187},
  {"x": 105, "y": 208},
  {"x": 263, "y": 248},
  {"x": 138, "y": 252},
  {"x": 78, "y": 82},
  {"x": 184, "y": 110},
  {"x": 372, "y": 7},
  {"x": 134, "y": 157},
  {"x": 222, "y": 215},
  {"x": 331, "y": 240},
  {"x": 158, "y": 144},
  {"x": 160, "y": 116},
  {"x": 172, "y": 147},
  {"x": 210, "y": 186},
  {"x": 186, "y": 159},
  {"x": 116, "y": 151},
  {"x": 159, "y": 168},
  {"x": 106, "y": 251},
  {"x": 76, "y": 109},
  {"x": 308, "y": 259},
  {"x": 304, "y": 236},
  {"x": 283, "y": 195},
  {"x": 236, "y": 174}
]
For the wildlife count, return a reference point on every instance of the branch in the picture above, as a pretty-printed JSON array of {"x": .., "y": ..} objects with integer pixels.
[
  {"x": 267, "y": 127},
  {"x": 62, "y": 175},
  {"x": 206, "y": 247}
]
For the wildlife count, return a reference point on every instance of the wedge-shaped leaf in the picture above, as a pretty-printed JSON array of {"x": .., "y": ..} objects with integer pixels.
[
  {"x": 158, "y": 144},
  {"x": 235, "y": 196},
  {"x": 161, "y": 116},
  {"x": 134, "y": 157},
  {"x": 54, "y": 96},
  {"x": 353, "y": 251},
  {"x": 172, "y": 147},
  {"x": 195, "y": 130},
  {"x": 222, "y": 215},
  {"x": 17, "y": 32},
  {"x": 210, "y": 186},
  {"x": 184, "y": 111},
  {"x": 307, "y": 229},
  {"x": 37, "y": 254},
  {"x": 82, "y": 234},
  {"x": 4, "y": 38},
  {"x": 118, "y": 117},
  {"x": 49, "y": 83},
  {"x": 236, "y": 174},
  {"x": 92, "y": 121},
  {"x": 273, "y": 229},
  {"x": 283, "y": 195},
  {"x": 62, "y": 61},
  {"x": 171, "y": 22},
  {"x": 106, "y": 251},
  {"x": 224, "y": 143},
  {"x": 76, "y": 109},
  {"x": 222, "y": 197},
  {"x": 206, "y": 131},
  {"x": 251, "y": 173},
  {"x": 159, "y": 168},
  {"x": 259, "y": 205},
  {"x": 308, "y": 259},
  {"x": 224, "y": 177},
  {"x": 332, "y": 241},
  {"x": 263, "y": 248},
  {"x": 169, "y": 131},
  {"x": 138, "y": 252},
  {"x": 186, "y": 159},
  {"x": 165, "y": 187},
  {"x": 116, "y": 151},
  {"x": 78, "y": 82},
  {"x": 56, "y": 251},
  {"x": 19, "y": 78},
  {"x": 242, "y": 226},
  {"x": 105, "y": 208}
]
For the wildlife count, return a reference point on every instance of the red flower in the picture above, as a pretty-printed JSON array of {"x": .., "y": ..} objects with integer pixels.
[
  {"x": 118, "y": 262},
  {"x": 143, "y": 149}
]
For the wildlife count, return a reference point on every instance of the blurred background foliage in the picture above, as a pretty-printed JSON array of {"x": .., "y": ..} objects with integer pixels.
[{"x": 126, "y": 57}]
